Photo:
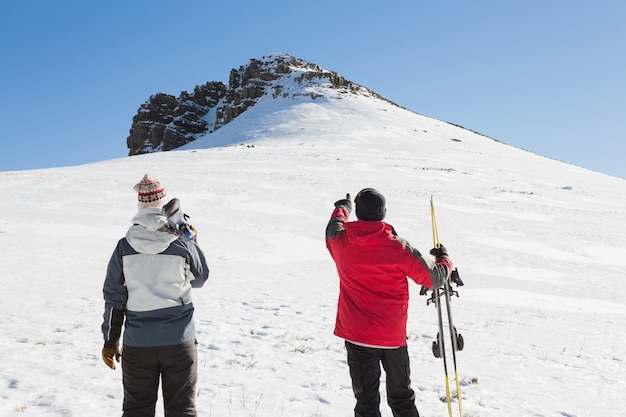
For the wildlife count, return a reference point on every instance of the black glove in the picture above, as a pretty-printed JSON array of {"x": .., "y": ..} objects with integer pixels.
[
  {"x": 439, "y": 251},
  {"x": 344, "y": 202}
]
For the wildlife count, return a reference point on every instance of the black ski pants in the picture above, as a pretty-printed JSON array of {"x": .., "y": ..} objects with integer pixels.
[
  {"x": 176, "y": 366},
  {"x": 364, "y": 363}
]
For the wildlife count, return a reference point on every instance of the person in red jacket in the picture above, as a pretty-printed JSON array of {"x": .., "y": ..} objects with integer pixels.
[{"x": 373, "y": 264}]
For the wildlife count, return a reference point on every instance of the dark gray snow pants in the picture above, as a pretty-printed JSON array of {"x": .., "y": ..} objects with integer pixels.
[
  {"x": 364, "y": 363},
  {"x": 176, "y": 366}
]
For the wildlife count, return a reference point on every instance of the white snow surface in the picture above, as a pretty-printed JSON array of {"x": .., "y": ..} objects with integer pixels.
[{"x": 540, "y": 245}]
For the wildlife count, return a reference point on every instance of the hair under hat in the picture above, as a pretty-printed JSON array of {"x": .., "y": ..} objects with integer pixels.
[
  {"x": 370, "y": 205},
  {"x": 150, "y": 192}
]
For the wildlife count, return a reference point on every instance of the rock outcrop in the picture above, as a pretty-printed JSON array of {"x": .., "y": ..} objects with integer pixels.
[{"x": 166, "y": 122}]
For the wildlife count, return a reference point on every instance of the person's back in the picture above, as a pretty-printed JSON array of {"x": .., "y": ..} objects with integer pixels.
[
  {"x": 373, "y": 264},
  {"x": 148, "y": 291}
]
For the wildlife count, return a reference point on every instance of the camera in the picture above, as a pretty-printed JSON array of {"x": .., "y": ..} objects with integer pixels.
[{"x": 177, "y": 220}]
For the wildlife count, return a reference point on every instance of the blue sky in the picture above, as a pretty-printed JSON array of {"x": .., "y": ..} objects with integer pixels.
[{"x": 543, "y": 75}]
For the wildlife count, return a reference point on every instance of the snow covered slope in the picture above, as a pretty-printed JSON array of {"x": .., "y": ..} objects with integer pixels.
[{"x": 540, "y": 245}]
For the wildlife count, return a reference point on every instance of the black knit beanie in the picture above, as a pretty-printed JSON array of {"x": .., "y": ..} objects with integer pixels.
[{"x": 370, "y": 205}]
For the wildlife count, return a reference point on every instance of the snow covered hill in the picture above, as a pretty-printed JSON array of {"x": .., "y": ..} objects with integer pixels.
[{"x": 540, "y": 245}]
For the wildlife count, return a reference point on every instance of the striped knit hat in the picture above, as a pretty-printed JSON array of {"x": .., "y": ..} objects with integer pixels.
[{"x": 150, "y": 192}]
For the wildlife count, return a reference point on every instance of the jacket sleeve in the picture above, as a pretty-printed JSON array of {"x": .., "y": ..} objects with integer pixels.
[
  {"x": 115, "y": 298},
  {"x": 424, "y": 271},
  {"x": 337, "y": 219},
  {"x": 113, "y": 321},
  {"x": 197, "y": 264}
]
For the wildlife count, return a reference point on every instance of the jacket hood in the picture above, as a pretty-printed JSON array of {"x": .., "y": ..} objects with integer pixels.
[
  {"x": 368, "y": 233},
  {"x": 144, "y": 235}
]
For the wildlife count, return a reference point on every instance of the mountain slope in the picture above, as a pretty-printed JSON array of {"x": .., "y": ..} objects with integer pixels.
[
  {"x": 539, "y": 244},
  {"x": 165, "y": 122}
]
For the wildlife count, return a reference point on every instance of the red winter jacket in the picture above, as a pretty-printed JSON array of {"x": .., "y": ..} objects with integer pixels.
[{"x": 373, "y": 265}]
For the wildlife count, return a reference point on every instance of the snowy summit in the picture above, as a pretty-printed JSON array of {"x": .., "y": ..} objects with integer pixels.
[{"x": 540, "y": 245}]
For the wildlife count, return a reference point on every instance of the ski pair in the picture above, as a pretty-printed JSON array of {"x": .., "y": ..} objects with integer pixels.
[{"x": 438, "y": 347}]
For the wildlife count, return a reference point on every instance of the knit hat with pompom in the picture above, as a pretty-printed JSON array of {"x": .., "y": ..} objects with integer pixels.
[{"x": 150, "y": 192}]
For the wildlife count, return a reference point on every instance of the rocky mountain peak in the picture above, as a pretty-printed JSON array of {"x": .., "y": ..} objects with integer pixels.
[{"x": 166, "y": 122}]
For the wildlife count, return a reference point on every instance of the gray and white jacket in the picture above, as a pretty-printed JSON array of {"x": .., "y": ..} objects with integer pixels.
[{"x": 148, "y": 285}]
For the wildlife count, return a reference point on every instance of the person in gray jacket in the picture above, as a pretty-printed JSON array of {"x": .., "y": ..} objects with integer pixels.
[{"x": 147, "y": 290}]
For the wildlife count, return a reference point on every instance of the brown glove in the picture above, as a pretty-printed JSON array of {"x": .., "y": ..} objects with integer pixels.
[
  {"x": 194, "y": 230},
  {"x": 108, "y": 353}
]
